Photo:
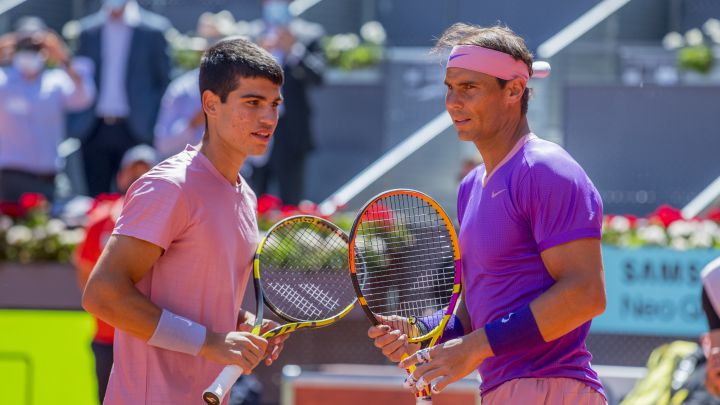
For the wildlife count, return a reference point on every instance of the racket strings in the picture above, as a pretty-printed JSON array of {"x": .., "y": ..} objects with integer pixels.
[
  {"x": 407, "y": 258},
  {"x": 304, "y": 271}
]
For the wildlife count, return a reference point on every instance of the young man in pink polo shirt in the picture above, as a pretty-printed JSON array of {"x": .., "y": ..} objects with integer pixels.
[
  {"x": 530, "y": 222},
  {"x": 172, "y": 276}
]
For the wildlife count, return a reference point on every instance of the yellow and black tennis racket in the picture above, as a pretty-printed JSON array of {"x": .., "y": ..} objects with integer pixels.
[
  {"x": 405, "y": 265},
  {"x": 300, "y": 273}
]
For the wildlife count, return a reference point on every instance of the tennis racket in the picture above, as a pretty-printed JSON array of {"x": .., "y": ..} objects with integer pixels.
[
  {"x": 300, "y": 273},
  {"x": 404, "y": 249}
]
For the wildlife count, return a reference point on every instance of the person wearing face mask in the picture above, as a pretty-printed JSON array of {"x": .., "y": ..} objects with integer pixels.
[
  {"x": 35, "y": 101},
  {"x": 295, "y": 45},
  {"x": 128, "y": 45}
]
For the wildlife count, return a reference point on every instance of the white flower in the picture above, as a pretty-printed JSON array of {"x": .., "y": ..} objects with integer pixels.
[
  {"x": 39, "y": 233},
  {"x": 652, "y": 234},
  {"x": 5, "y": 223},
  {"x": 373, "y": 31},
  {"x": 711, "y": 26},
  {"x": 701, "y": 240},
  {"x": 694, "y": 37},
  {"x": 716, "y": 234},
  {"x": 18, "y": 234},
  {"x": 679, "y": 229},
  {"x": 345, "y": 42},
  {"x": 624, "y": 240},
  {"x": 55, "y": 226},
  {"x": 673, "y": 40},
  {"x": 619, "y": 224},
  {"x": 679, "y": 244},
  {"x": 71, "y": 236}
]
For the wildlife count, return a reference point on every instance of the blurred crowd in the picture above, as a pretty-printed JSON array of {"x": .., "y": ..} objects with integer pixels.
[{"x": 118, "y": 88}]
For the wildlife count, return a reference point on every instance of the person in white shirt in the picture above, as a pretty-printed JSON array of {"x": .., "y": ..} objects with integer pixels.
[{"x": 35, "y": 101}]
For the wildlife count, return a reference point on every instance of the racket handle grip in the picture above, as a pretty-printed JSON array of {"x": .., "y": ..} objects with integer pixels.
[{"x": 215, "y": 393}]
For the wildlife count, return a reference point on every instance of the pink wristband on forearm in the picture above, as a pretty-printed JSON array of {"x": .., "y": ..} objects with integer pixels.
[{"x": 173, "y": 332}]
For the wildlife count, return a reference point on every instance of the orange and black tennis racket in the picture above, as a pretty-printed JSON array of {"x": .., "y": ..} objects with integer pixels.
[{"x": 404, "y": 261}]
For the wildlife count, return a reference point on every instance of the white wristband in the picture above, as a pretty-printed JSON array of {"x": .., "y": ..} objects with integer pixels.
[{"x": 173, "y": 332}]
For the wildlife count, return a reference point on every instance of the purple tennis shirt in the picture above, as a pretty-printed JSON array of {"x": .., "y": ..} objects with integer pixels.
[{"x": 538, "y": 197}]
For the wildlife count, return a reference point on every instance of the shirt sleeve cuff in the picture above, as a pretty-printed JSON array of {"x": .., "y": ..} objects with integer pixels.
[
  {"x": 144, "y": 237},
  {"x": 569, "y": 236}
]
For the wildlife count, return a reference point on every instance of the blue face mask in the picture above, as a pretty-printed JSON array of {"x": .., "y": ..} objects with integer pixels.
[
  {"x": 276, "y": 13},
  {"x": 114, "y": 4}
]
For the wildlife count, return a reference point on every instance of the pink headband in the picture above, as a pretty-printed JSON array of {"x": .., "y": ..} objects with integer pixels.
[{"x": 494, "y": 63}]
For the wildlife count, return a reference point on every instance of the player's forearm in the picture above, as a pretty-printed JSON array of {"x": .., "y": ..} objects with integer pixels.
[
  {"x": 119, "y": 303},
  {"x": 479, "y": 346},
  {"x": 568, "y": 304}
]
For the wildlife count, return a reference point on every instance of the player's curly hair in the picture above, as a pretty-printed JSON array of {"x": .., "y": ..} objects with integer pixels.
[{"x": 498, "y": 37}]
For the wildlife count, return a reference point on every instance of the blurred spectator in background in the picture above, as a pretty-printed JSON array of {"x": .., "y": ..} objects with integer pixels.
[
  {"x": 34, "y": 103},
  {"x": 295, "y": 44},
  {"x": 181, "y": 120},
  {"x": 101, "y": 221},
  {"x": 711, "y": 341},
  {"x": 128, "y": 46}
]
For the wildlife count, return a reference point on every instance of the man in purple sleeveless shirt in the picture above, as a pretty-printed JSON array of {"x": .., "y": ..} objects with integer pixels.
[{"x": 530, "y": 227}]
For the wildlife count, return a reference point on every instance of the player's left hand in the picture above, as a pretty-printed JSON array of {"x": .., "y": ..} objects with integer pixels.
[
  {"x": 447, "y": 363},
  {"x": 275, "y": 344}
]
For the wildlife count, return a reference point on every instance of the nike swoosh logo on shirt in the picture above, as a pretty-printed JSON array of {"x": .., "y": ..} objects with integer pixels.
[
  {"x": 496, "y": 193},
  {"x": 457, "y": 56}
]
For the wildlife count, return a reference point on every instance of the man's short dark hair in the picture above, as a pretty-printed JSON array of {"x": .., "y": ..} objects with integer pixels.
[
  {"x": 228, "y": 61},
  {"x": 498, "y": 37}
]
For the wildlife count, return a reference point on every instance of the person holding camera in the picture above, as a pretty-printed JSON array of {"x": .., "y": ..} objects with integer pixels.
[{"x": 35, "y": 100}]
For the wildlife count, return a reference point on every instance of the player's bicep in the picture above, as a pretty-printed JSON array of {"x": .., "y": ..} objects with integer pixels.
[
  {"x": 126, "y": 257},
  {"x": 578, "y": 262}
]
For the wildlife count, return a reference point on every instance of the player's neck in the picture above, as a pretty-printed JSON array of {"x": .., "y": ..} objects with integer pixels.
[
  {"x": 225, "y": 161},
  {"x": 495, "y": 148}
]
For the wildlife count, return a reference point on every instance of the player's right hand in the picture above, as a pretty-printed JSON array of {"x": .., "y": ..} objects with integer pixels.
[
  {"x": 391, "y": 339},
  {"x": 241, "y": 348}
]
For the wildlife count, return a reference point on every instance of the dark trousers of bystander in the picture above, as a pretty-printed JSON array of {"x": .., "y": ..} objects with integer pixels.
[
  {"x": 102, "y": 153},
  {"x": 13, "y": 183},
  {"x": 103, "y": 364},
  {"x": 285, "y": 167}
]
